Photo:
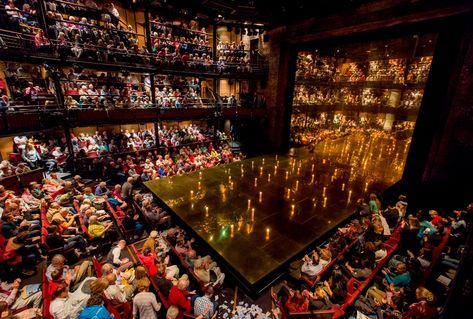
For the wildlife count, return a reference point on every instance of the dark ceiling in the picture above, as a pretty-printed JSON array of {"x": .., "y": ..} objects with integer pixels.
[
  {"x": 242, "y": 12},
  {"x": 271, "y": 13}
]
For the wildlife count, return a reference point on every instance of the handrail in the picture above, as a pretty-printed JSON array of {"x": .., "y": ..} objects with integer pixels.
[
  {"x": 208, "y": 141},
  {"x": 103, "y": 48},
  {"x": 72, "y": 4},
  {"x": 78, "y": 5},
  {"x": 180, "y": 28},
  {"x": 100, "y": 27},
  {"x": 196, "y": 105},
  {"x": 17, "y": 10},
  {"x": 146, "y": 56},
  {"x": 179, "y": 41},
  {"x": 99, "y": 80},
  {"x": 20, "y": 34}
]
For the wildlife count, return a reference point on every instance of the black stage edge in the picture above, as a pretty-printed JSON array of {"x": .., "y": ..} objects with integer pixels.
[{"x": 322, "y": 188}]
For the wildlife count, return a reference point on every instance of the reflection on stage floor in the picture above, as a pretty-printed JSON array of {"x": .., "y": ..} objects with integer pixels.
[{"x": 259, "y": 213}]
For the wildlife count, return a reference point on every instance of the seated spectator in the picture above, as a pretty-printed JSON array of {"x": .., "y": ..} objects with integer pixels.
[
  {"x": 320, "y": 300},
  {"x": 55, "y": 240},
  {"x": 22, "y": 169},
  {"x": 77, "y": 274},
  {"x": 95, "y": 309},
  {"x": 115, "y": 257},
  {"x": 65, "y": 221},
  {"x": 297, "y": 301},
  {"x": 155, "y": 214},
  {"x": 21, "y": 252},
  {"x": 117, "y": 195},
  {"x": 31, "y": 156},
  {"x": 424, "y": 307},
  {"x": 41, "y": 42},
  {"x": 6, "y": 169},
  {"x": 313, "y": 265},
  {"x": 52, "y": 211},
  {"x": 401, "y": 277},
  {"x": 337, "y": 286},
  {"x": 208, "y": 272},
  {"x": 78, "y": 184},
  {"x": 97, "y": 229},
  {"x": 426, "y": 227},
  {"x": 150, "y": 243},
  {"x": 59, "y": 299},
  {"x": 362, "y": 272},
  {"x": 11, "y": 295},
  {"x": 102, "y": 190},
  {"x": 117, "y": 294}
]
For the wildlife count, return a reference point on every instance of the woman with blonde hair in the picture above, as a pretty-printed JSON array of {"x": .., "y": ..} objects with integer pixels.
[
  {"x": 320, "y": 300},
  {"x": 98, "y": 286},
  {"x": 140, "y": 273},
  {"x": 425, "y": 307}
]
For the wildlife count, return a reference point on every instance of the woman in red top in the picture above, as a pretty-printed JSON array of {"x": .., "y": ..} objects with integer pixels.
[
  {"x": 148, "y": 260},
  {"x": 56, "y": 280},
  {"x": 297, "y": 302},
  {"x": 178, "y": 297},
  {"x": 425, "y": 308}
]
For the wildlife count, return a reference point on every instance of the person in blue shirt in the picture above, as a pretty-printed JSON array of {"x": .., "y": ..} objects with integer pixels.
[
  {"x": 95, "y": 309},
  {"x": 400, "y": 278},
  {"x": 426, "y": 227},
  {"x": 162, "y": 172},
  {"x": 102, "y": 190}
]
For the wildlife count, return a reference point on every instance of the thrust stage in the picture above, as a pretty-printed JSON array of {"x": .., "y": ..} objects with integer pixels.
[{"x": 257, "y": 215}]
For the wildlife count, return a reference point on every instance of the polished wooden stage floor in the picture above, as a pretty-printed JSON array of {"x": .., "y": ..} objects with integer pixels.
[{"x": 258, "y": 214}]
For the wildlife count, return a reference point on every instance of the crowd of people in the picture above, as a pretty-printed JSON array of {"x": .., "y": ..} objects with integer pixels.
[
  {"x": 87, "y": 89},
  {"x": 232, "y": 52},
  {"x": 50, "y": 150},
  {"x": 143, "y": 139},
  {"x": 351, "y": 97},
  {"x": 310, "y": 129},
  {"x": 154, "y": 165},
  {"x": 312, "y": 66},
  {"x": 184, "y": 43},
  {"x": 366, "y": 250},
  {"x": 74, "y": 219},
  {"x": 184, "y": 37},
  {"x": 69, "y": 220},
  {"x": 32, "y": 85},
  {"x": 92, "y": 31},
  {"x": 26, "y": 86},
  {"x": 19, "y": 15},
  {"x": 178, "y": 92}
]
